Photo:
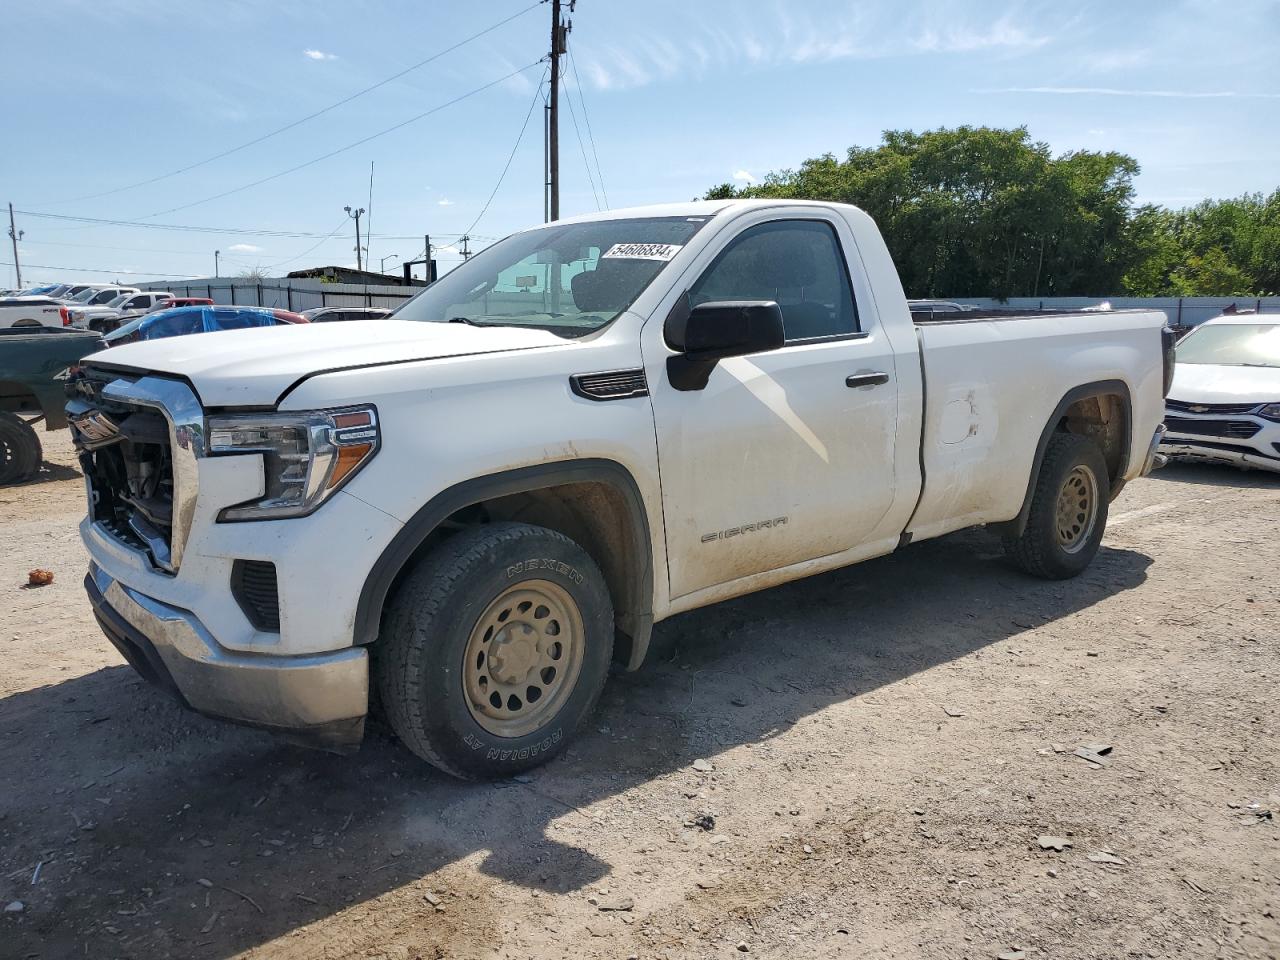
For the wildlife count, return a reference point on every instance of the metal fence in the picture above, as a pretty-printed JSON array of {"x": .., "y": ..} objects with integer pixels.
[{"x": 288, "y": 294}]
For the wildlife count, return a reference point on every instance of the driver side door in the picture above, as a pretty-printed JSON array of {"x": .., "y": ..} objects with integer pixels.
[{"x": 783, "y": 456}]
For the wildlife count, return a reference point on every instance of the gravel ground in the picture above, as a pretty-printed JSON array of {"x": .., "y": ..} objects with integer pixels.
[{"x": 886, "y": 752}]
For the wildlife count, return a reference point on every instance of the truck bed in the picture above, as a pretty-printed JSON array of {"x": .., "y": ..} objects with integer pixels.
[{"x": 994, "y": 379}]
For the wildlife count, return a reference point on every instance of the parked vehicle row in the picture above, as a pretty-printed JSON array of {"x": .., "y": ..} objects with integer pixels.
[{"x": 104, "y": 307}]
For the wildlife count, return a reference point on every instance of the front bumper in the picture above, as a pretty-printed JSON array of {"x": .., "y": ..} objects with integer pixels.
[
  {"x": 1261, "y": 449},
  {"x": 318, "y": 699},
  {"x": 1178, "y": 448}
]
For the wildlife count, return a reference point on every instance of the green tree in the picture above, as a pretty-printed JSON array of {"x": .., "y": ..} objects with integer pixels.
[
  {"x": 983, "y": 212},
  {"x": 978, "y": 211}
]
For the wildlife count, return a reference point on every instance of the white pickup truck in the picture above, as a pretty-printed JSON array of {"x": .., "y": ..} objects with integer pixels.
[
  {"x": 33, "y": 311},
  {"x": 128, "y": 304},
  {"x": 477, "y": 505}
]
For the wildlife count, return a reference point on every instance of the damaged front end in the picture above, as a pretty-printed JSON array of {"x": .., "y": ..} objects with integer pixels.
[{"x": 137, "y": 440}]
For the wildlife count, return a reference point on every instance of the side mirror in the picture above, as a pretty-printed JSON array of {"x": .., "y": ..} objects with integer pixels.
[{"x": 715, "y": 330}]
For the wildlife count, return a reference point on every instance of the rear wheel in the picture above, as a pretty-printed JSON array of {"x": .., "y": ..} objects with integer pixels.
[
  {"x": 494, "y": 649},
  {"x": 1068, "y": 510},
  {"x": 20, "y": 452}
]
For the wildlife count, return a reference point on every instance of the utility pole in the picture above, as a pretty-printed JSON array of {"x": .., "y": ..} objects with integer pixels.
[
  {"x": 15, "y": 235},
  {"x": 465, "y": 251},
  {"x": 559, "y": 43},
  {"x": 355, "y": 215},
  {"x": 216, "y": 253}
]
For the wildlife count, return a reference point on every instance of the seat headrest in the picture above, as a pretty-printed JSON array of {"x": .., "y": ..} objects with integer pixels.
[{"x": 611, "y": 286}]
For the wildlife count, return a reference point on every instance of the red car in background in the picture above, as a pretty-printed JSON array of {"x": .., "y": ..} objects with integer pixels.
[{"x": 186, "y": 302}]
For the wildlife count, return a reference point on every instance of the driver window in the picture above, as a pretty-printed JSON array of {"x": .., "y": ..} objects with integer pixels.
[{"x": 798, "y": 264}]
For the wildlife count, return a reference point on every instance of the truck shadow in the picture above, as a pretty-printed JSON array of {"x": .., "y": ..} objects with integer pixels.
[
  {"x": 49, "y": 471},
  {"x": 149, "y": 819}
]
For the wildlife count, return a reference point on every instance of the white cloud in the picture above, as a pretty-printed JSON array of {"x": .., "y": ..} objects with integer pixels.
[
  {"x": 444, "y": 202},
  {"x": 319, "y": 55},
  {"x": 792, "y": 35},
  {"x": 244, "y": 248},
  {"x": 744, "y": 176},
  {"x": 967, "y": 39},
  {"x": 1118, "y": 92}
]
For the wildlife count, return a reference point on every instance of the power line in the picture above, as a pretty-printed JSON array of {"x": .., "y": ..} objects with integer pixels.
[
  {"x": 332, "y": 233},
  {"x": 112, "y": 246},
  {"x": 131, "y": 273},
  {"x": 537, "y": 95},
  {"x": 577, "y": 81},
  {"x": 240, "y": 231},
  {"x": 350, "y": 146},
  {"x": 296, "y": 123},
  {"x": 582, "y": 146}
]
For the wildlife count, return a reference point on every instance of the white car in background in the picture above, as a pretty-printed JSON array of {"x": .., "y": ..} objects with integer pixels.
[
  {"x": 1224, "y": 404},
  {"x": 125, "y": 306}
]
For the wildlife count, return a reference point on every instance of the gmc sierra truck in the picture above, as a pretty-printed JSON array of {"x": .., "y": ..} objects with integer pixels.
[{"x": 478, "y": 505}]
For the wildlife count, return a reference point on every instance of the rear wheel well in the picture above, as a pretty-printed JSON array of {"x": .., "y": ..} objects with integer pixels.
[
  {"x": 1104, "y": 419},
  {"x": 1100, "y": 411}
]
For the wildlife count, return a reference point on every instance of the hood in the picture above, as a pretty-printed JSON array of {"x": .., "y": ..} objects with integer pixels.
[
  {"x": 1219, "y": 383},
  {"x": 255, "y": 367}
]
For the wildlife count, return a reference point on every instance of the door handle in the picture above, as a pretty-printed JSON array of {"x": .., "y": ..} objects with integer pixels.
[{"x": 866, "y": 379}]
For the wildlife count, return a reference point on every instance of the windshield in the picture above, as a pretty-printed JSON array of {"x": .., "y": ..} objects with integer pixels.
[
  {"x": 1233, "y": 344},
  {"x": 84, "y": 295},
  {"x": 116, "y": 301},
  {"x": 571, "y": 279}
]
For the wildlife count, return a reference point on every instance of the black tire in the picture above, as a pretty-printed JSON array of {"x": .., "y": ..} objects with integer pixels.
[
  {"x": 20, "y": 451},
  {"x": 1041, "y": 550},
  {"x": 418, "y": 661}
]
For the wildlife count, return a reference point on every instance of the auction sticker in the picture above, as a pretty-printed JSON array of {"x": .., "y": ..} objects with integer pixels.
[{"x": 643, "y": 251}]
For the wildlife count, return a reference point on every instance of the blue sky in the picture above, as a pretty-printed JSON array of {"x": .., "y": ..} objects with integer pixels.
[{"x": 680, "y": 96}]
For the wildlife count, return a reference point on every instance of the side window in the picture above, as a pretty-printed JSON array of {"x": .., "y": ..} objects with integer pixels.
[{"x": 796, "y": 263}]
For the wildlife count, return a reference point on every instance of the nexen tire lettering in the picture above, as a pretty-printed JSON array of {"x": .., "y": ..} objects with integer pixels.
[{"x": 528, "y": 566}]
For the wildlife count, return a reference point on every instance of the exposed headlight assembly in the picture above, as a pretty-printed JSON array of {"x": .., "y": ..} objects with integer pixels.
[
  {"x": 306, "y": 456},
  {"x": 1271, "y": 411}
]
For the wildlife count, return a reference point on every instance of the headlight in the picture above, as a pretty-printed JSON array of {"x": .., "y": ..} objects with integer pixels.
[
  {"x": 306, "y": 456},
  {"x": 1271, "y": 411}
]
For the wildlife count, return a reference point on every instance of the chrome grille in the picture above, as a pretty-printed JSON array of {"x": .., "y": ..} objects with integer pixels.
[
  {"x": 1182, "y": 406},
  {"x": 138, "y": 441}
]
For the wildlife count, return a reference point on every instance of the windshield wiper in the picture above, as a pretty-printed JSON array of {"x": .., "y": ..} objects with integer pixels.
[{"x": 468, "y": 321}]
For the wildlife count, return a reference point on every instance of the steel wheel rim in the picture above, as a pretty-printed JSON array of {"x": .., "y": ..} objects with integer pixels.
[
  {"x": 523, "y": 658},
  {"x": 1076, "y": 511}
]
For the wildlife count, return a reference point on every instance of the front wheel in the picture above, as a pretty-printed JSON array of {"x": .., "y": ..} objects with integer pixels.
[
  {"x": 1068, "y": 510},
  {"x": 20, "y": 453},
  {"x": 494, "y": 649}
]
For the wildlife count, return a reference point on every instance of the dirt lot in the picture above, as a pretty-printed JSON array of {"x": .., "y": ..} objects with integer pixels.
[{"x": 888, "y": 746}]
